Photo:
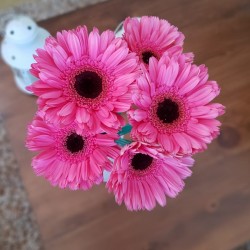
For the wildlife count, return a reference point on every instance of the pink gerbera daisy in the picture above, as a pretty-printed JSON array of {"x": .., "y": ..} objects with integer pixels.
[
  {"x": 150, "y": 36},
  {"x": 173, "y": 106},
  {"x": 142, "y": 176},
  {"x": 85, "y": 78},
  {"x": 70, "y": 157}
]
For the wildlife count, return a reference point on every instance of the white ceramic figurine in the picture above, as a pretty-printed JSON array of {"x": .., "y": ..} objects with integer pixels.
[{"x": 22, "y": 38}]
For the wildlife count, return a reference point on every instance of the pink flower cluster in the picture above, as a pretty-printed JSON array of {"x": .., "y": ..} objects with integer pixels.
[{"x": 90, "y": 84}]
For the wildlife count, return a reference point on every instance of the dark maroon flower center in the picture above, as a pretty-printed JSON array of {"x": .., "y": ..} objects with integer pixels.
[
  {"x": 146, "y": 56},
  {"x": 88, "y": 84},
  {"x": 74, "y": 143},
  {"x": 141, "y": 161},
  {"x": 168, "y": 111}
]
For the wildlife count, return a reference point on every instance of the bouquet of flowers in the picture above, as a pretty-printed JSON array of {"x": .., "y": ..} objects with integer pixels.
[{"x": 135, "y": 106}]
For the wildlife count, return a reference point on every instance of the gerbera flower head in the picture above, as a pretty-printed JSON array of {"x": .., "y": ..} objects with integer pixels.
[
  {"x": 173, "y": 100},
  {"x": 70, "y": 157},
  {"x": 85, "y": 78},
  {"x": 150, "y": 36},
  {"x": 143, "y": 176}
]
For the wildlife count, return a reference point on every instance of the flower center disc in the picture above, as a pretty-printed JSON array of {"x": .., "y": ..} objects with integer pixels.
[
  {"x": 146, "y": 56},
  {"x": 141, "y": 161},
  {"x": 74, "y": 143},
  {"x": 168, "y": 111},
  {"x": 88, "y": 84}
]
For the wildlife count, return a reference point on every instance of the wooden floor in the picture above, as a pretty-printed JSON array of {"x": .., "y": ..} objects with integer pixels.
[{"x": 213, "y": 212}]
